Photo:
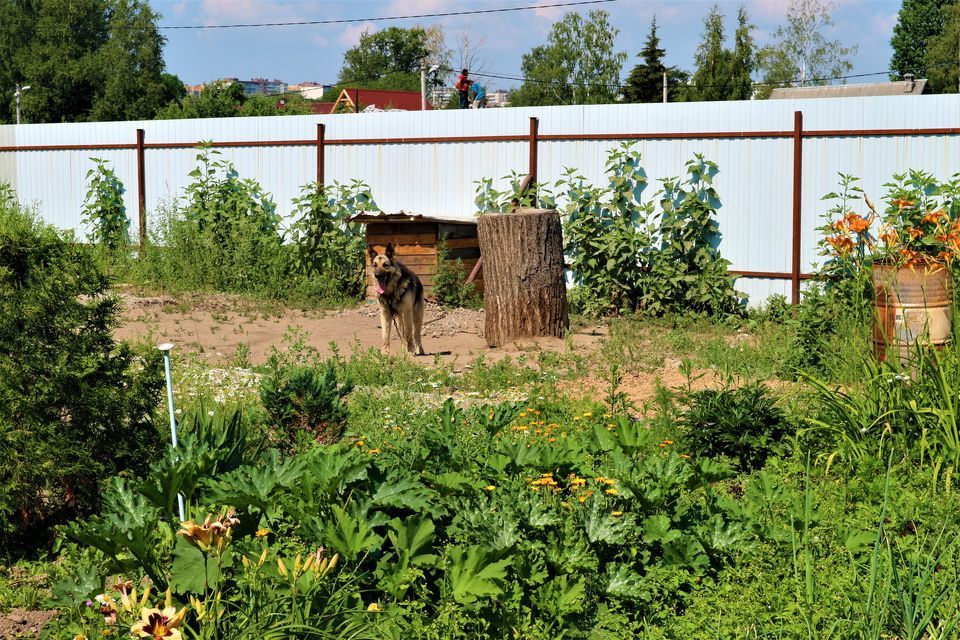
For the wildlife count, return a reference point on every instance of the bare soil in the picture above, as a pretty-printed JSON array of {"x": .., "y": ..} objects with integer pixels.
[
  {"x": 216, "y": 325},
  {"x": 20, "y": 623}
]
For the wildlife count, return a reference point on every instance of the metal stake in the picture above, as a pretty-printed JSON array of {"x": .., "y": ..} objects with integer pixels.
[{"x": 165, "y": 348}]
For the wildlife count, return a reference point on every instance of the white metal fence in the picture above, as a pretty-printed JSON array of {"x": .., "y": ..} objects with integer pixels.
[{"x": 869, "y": 137}]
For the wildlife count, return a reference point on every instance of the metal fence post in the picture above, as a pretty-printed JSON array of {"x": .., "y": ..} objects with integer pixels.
[
  {"x": 141, "y": 191},
  {"x": 321, "y": 133},
  {"x": 797, "y": 185},
  {"x": 534, "y": 125}
]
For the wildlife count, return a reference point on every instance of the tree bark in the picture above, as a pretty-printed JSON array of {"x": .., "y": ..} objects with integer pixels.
[{"x": 525, "y": 293}]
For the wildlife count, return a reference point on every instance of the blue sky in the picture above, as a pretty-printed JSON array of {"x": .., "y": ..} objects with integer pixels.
[{"x": 300, "y": 53}]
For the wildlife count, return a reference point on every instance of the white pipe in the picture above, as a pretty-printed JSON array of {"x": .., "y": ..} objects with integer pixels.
[{"x": 165, "y": 348}]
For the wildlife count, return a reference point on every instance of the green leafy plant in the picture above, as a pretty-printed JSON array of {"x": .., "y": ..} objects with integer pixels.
[
  {"x": 103, "y": 209},
  {"x": 449, "y": 283},
  {"x": 686, "y": 271},
  {"x": 307, "y": 401},
  {"x": 743, "y": 423},
  {"x": 328, "y": 247},
  {"x": 625, "y": 254}
]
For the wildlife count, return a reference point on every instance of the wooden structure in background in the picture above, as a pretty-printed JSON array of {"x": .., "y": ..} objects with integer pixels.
[
  {"x": 416, "y": 240},
  {"x": 523, "y": 263}
]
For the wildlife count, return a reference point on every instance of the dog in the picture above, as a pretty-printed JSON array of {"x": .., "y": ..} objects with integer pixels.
[{"x": 400, "y": 294}]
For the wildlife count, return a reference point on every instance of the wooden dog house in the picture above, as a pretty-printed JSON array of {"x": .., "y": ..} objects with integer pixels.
[{"x": 416, "y": 240}]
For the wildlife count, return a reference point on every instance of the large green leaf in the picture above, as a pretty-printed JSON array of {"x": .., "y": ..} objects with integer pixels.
[{"x": 470, "y": 576}]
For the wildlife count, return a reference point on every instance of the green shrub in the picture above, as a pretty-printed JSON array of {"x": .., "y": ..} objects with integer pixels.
[
  {"x": 327, "y": 247},
  {"x": 75, "y": 407},
  {"x": 449, "y": 283},
  {"x": 225, "y": 236},
  {"x": 104, "y": 211},
  {"x": 305, "y": 401},
  {"x": 624, "y": 253},
  {"x": 743, "y": 423}
]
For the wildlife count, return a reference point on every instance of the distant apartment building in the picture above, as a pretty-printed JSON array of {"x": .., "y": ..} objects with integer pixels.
[
  {"x": 310, "y": 90},
  {"x": 259, "y": 86},
  {"x": 194, "y": 89},
  {"x": 498, "y": 98}
]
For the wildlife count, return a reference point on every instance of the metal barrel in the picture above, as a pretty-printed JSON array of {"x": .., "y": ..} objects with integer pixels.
[{"x": 912, "y": 305}]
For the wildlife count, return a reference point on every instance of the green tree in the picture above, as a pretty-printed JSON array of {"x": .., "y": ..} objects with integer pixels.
[
  {"x": 645, "y": 82},
  {"x": 577, "y": 65},
  {"x": 84, "y": 59},
  {"x": 711, "y": 78},
  {"x": 802, "y": 54},
  {"x": 917, "y": 22},
  {"x": 218, "y": 99},
  {"x": 744, "y": 59},
  {"x": 388, "y": 59},
  {"x": 134, "y": 45},
  {"x": 943, "y": 54},
  {"x": 76, "y": 407}
]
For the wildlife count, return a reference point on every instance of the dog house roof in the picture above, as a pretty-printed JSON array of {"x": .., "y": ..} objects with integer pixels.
[{"x": 404, "y": 216}]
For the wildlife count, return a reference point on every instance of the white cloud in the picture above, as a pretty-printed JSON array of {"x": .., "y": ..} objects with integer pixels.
[
  {"x": 550, "y": 13},
  {"x": 414, "y": 7},
  {"x": 884, "y": 24},
  {"x": 350, "y": 36}
]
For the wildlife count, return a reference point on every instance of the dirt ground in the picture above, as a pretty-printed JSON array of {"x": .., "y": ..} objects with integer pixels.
[
  {"x": 217, "y": 325},
  {"x": 20, "y": 623}
]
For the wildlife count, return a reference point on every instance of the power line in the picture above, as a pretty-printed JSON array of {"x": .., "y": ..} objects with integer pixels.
[
  {"x": 445, "y": 14},
  {"x": 703, "y": 86}
]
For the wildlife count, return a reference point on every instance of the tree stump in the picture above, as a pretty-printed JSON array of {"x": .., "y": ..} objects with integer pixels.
[{"x": 525, "y": 294}]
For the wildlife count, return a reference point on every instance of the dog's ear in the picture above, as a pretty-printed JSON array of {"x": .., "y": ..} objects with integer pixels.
[
  {"x": 372, "y": 252},
  {"x": 390, "y": 250}
]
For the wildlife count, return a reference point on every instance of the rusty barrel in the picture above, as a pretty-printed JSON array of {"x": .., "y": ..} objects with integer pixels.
[{"x": 913, "y": 304}]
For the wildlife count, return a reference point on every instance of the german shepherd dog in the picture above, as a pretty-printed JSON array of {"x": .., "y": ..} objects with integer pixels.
[{"x": 400, "y": 294}]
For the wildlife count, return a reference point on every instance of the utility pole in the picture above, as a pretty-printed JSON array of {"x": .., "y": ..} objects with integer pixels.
[
  {"x": 664, "y": 87},
  {"x": 16, "y": 94},
  {"x": 423, "y": 87}
]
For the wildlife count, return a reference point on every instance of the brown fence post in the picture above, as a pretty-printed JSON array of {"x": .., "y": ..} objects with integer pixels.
[
  {"x": 534, "y": 124},
  {"x": 797, "y": 182},
  {"x": 141, "y": 190},
  {"x": 321, "y": 133}
]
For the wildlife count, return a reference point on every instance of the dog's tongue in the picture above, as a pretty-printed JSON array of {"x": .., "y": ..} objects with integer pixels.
[{"x": 379, "y": 288}]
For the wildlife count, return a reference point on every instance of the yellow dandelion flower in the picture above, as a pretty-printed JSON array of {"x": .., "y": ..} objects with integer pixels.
[
  {"x": 490, "y": 487},
  {"x": 262, "y": 533},
  {"x": 616, "y": 514},
  {"x": 611, "y": 492},
  {"x": 360, "y": 443}
]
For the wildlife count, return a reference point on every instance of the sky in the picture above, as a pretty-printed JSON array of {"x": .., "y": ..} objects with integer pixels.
[{"x": 315, "y": 52}]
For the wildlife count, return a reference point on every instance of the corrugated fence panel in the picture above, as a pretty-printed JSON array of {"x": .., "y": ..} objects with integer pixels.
[{"x": 755, "y": 183}]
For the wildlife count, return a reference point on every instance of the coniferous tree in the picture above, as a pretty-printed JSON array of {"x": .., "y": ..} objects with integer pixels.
[
  {"x": 743, "y": 59},
  {"x": 712, "y": 75},
  {"x": 645, "y": 82}
]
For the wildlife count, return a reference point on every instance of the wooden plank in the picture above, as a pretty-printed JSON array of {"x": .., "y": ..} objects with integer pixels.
[
  {"x": 400, "y": 239},
  {"x": 390, "y": 228},
  {"x": 409, "y": 250},
  {"x": 462, "y": 243}
]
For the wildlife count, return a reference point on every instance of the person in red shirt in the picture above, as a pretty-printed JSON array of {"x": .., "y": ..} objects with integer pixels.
[{"x": 463, "y": 89}]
